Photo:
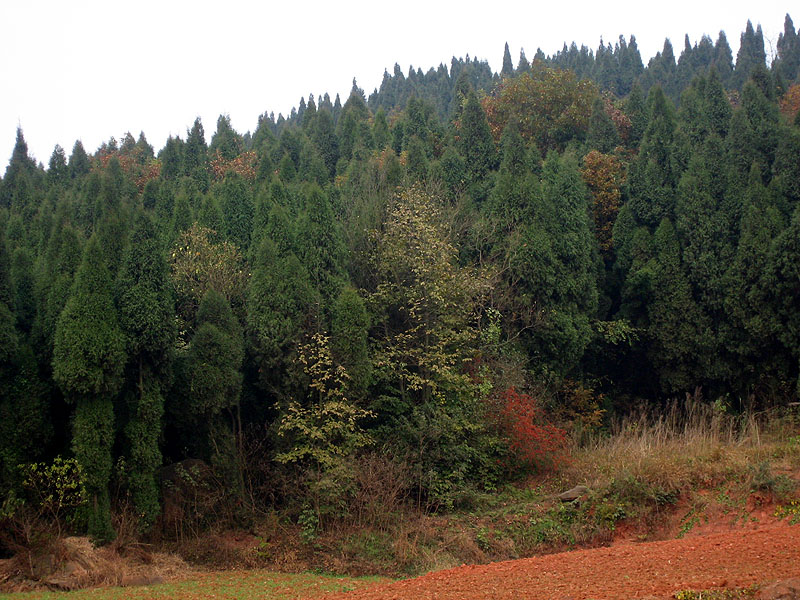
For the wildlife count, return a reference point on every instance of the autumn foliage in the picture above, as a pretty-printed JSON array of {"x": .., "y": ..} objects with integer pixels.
[
  {"x": 790, "y": 102},
  {"x": 533, "y": 440},
  {"x": 550, "y": 106},
  {"x": 244, "y": 164},
  {"x": 603, "y": 175}
]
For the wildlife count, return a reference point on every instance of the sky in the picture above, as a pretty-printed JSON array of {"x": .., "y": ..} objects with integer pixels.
[{"x": 92, "y": 70}]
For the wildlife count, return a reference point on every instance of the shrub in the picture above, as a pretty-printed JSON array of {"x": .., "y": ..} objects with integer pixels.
[{"x": 535, "y": 442}]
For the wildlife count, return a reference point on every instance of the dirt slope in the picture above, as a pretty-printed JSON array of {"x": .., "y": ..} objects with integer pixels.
[{"x": 631, "y": 570}]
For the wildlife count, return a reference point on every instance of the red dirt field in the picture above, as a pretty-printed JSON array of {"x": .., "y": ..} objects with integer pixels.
[{"x": 653, "y": 570}]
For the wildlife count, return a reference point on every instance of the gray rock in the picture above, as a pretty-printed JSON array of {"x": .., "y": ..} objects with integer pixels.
[{"x": 577, "y": 492}]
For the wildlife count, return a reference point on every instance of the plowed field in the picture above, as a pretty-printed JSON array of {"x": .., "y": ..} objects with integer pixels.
[{"x": 630, "y": 570}]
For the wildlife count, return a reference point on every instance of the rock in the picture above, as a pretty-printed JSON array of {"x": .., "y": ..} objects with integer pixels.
[
  {"x": 577, "y": 492},
  {"x": 788, "y": 589}
]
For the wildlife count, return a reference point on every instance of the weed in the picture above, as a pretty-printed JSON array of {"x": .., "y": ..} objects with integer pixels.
[
  {"x": 738, "y": 594},
  {"x": 482, "y": 538},
  {"x": 309, "y": 523},
  {"x": 792, "y": 511}
]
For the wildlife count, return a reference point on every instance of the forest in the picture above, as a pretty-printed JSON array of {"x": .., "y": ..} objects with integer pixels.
[{"x": 447, "y": 276}]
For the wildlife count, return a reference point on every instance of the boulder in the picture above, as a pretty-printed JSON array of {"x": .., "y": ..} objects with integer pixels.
[{"x": 570, "y": 495}]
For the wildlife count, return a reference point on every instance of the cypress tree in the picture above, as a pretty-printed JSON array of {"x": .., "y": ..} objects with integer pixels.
[
  {"x": 236, "y": 203},
  {"x": 679, "y": 333},
  {"x": 654, "y": 173},
  {"x": 349, "y": 326},
  {"x": 603, "y": 134},
  {"x": 475, "y": 143},
  {"x": 787, "y": 63},
  {"x": 88, "y": 360},
  {"x": 508, "y": 66},
  {"x": 281, "y": 300},
  {"x": 225, "y": 142},
  {"x": 195, "y": 159},
  {"x": 57, "y": 171},
  {"x": 751, "y": 54},
  {"x": 214, "y": 362},
  {"x": 146, "y": 309},
  {"x": 78, "y": 161}
]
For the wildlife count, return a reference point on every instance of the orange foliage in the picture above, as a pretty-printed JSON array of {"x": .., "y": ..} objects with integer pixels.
[
  {"x": 620, "y": 119},
  {"x": 139, "y": 170},
  {"x": 244, "y": 165},
  {"x": 533, "y": 440},
  {"x": 603, "y": 175},
  {"x": 790, "y": 102},
  {"x": 550, "y": 106}
]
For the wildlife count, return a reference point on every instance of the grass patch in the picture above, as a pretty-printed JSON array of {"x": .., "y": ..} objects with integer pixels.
[{"x": 239, "y": 585}]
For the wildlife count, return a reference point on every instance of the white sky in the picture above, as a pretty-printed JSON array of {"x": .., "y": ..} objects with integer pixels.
[{"x": 96, "y": 69}]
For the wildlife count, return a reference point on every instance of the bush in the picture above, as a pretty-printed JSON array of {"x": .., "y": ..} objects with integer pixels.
[{"x": 534, "y": 442}]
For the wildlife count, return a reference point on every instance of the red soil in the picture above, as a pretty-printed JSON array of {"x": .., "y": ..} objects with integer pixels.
[{"x": 654, "y": 570}]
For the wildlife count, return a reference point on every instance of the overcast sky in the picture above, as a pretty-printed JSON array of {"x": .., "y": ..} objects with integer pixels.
[{"x": 93, "y": 70}]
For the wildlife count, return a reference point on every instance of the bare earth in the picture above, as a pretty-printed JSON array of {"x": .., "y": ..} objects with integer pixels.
[{"x": 652, "y": 570}]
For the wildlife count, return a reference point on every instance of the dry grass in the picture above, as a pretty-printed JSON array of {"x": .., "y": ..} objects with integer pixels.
[{"x": 690, "y": 444}]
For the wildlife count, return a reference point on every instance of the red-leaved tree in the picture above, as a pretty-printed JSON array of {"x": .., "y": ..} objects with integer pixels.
[{"x": 533, "y": 441}]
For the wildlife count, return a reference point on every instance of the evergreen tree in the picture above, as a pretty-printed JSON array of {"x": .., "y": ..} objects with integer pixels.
[
  {"x": 324, "y": 136},
  {"x": 236, "y": 203},
  {"x": 78, "y": 161},
  {"x": 58, "y": 172},
  {"x": 751, "y": 54},
  {"x": 281, "y": 301},
  {"x": 349, "y": 326},
  {"x": 476, "y": 144},
  {"x": 508, "y": 66},
  {"x": 226, "y": 142},
  {"x": 195, "y": 159},
  {"x": 146, "y": 314},
  {"x": 603, "y": 134},
  {"x": 88, "y": 360},
  {"x": 723, "y": 59},
  {"x": 523, "y": 66},
  {"x": 654, "y": 173},
  {"x": 680, "y": 334},
  {"x": 787, "y": 63}
]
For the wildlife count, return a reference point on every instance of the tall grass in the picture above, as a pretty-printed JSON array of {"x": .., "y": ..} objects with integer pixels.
[{"x": 689, "y": 442}]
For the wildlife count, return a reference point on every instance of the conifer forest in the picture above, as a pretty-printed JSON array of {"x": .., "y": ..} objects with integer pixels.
[{"x": 450, "y": 273}]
